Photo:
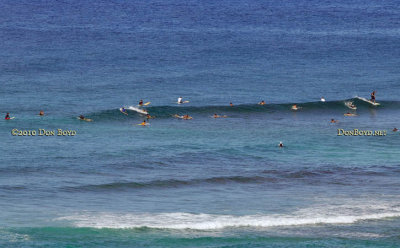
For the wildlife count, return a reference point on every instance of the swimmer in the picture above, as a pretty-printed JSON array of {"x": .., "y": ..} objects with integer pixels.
[
  {"x": 231, "y": 104},
  {"x": 334, "y": 121},
  {"x": 280, "y": 144},
  {"x": 149, "y": 117},
  {"x": 41, "y": 113},
  {"x": 262, "y": 102},
  {"x": 395, "y": 129},
  {"x": 7, "y": 117}
]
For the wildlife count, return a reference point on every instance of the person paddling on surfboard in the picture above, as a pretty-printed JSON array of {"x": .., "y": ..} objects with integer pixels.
[
  {"x": 373, "y": 96},
  {"x": 280, "y": 144},
  {"x": 41, "y": 113},
  {"x": 231, "y": 104},
  {"x": 262, "y": 102},
  {"x": 7, "y": 116},
  {"x": 141, "y": 102},
  {"x": 395, "y": 129},
  {"x": 180, "y": 100}
]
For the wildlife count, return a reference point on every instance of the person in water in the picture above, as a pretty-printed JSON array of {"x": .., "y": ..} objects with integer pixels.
[
  {"x": 81, "y": 117},
  {"x": 280, "y": 144},
  {"x": 141, "y": 102},
  {"x": 149, "y": 116},
  {"x": 262, "y": 102},
  {"x": 231, "y": 104},
  {"x": 186, "y": 117},
  {"x": 349, "y": 114},
  {"x": 7, "y": 116},
  {"x": 373, "y": 96},
  {"x": 41, "y": 113},
  {"x": 334, "y": 121},
  {"x": 143, "y": 123},
  {"x": 395, "y": 129},
  {"x": 180, "y": 100},
  {"x": 294, "y": 107},
  {"x": 123, "y": 109}
]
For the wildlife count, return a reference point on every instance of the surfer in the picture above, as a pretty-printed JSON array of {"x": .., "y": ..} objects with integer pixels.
[
  {"x": 373, "y": 96},
  {"x": 294, "y": 107},
  {"x": 81, "y": 117},
  {"x": 219, "y": 116},
  {"x": 41, "y": 113},
  {"x": 185, "y": 117},
  {"x": 7, "y": 117},
  {"x": 395, "y": 129},
  {"x": 141, "y": 102},
  {"x": 149, "y": 116},
  {"x": 322, "y": 99},
  {"x": 262, "y": 102},
  {"x": 231, "y": 104},
  {"x": 334, "y": 121},
  {"x": 280, "y": 144},
  {"x": 180, "y": 100},
  {"x": 349, "y": 114},
  {"x": 143, "y": 123}
]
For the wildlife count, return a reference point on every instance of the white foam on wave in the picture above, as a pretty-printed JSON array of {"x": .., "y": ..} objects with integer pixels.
[
  {"x": 203, "y": 221},
  {"x": 139, "y": 110}
]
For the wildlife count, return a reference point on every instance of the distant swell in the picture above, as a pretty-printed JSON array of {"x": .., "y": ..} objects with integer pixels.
[
  {"x": 273, "y": 177},
  {"x": 172, "y": 183},
  {"x": 169, "y": 111}
]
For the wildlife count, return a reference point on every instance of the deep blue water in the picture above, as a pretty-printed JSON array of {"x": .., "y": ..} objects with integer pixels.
[{"x": 203, "y": 182}]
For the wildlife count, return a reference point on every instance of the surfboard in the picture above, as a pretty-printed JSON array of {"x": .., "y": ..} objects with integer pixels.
[
  {"x": 147, "y": 124},
  {"x": 141, "y": 111},
  {"x": 368, "y": 101},
  {"x": 125, "y": 113},
  {"x": 85, "y": 119},
  {"x": 349, "y": 105},
  {"x": 181, "y": 117},
  {"x": 323, "y": 100},
  {"x": 11, "y": 118},
  {"x": 182, "y": 102},
  {"x": 147, "y": 103},
  {"x": 349, "y": 114}
]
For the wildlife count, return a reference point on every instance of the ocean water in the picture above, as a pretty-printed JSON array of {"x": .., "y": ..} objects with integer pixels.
[{"x": 203, "y": 182}]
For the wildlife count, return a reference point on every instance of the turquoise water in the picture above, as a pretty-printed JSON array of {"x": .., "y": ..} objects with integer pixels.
[{"x": 203, "y": 182}]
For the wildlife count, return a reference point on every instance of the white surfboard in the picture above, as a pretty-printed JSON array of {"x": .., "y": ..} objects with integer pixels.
[
  {"x": 182, "y": 102},
  {"x": 141, "y": 111},
  {"x": 368, "y": 101}
]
